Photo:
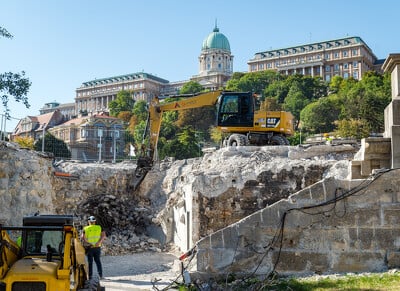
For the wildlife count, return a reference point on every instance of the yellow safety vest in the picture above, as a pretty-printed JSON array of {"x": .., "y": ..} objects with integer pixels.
[{"x": 92, "y": 233}]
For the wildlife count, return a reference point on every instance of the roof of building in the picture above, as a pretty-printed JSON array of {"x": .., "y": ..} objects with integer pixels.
[
  {"x": 216, "y": 40},
  {"x": 122, "y": 78}
]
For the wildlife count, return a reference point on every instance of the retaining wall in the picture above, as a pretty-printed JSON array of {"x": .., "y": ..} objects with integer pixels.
[{"x": 333, "y": 226}]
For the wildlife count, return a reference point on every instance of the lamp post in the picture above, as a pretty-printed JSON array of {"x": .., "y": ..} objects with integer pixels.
[
  {"x": 114, "y": 144},
  {"x": 100, "y": 134},
  {"x": 43, "y": 132}
]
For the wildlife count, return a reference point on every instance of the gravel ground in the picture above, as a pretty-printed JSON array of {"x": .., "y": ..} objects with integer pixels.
[{"x": 138, "y": 271}]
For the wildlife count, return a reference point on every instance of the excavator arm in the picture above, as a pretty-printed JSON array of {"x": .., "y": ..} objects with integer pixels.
[
  {"x": 152, "y": 131},
  {"x": 157, "y": 109}
]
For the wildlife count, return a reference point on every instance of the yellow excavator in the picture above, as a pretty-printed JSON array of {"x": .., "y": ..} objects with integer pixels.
[
  {"x": 46, "y": 255},
  {"x": 237, "y": 117}
]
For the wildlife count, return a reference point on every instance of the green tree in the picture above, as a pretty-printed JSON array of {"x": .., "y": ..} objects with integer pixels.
[
  {"x": 319, "y": 116},
  {"x": 303, "y": 90},
  {"x": 13, "y": 84},
  {"x": 123, "y": 102},
  {"x": 353, "y": 128},
  {"x": 185, "y": 146},
  {"x": 53, "y": 145},
  {"x": 366, "y": 100},
  {"x": 254, "y": 82},
  {"x": 191, "y": 87}
]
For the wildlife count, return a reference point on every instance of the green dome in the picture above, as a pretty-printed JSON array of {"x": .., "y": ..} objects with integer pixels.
[{"x": 216, "y": 40}]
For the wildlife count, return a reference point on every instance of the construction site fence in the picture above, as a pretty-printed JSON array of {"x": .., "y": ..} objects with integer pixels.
[{"x": 93, "y": 145}]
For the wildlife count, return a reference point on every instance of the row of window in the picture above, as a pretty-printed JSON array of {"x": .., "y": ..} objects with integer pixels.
[
  {"x": 105, "y": 89},
  {"x": 88, "y": 133},
  {"x": 345, "y": 75},
  {"x": 335, "y": 54},
  {"x": 335, "y": 67}
]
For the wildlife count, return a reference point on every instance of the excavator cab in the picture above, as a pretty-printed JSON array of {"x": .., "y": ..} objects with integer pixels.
[{"x": 235, "y": 109}]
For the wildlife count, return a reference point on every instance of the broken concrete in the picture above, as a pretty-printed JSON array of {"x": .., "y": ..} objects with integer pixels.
[
  {"x": 205, "y": 195},
  {"x": 333, "y": 226}
]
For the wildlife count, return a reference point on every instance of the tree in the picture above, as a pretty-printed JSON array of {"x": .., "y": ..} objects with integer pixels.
[
  {"x": 254, "y": 82},
  {"x": 53, "y": 145},
  {"x": 366, "y": 100},
  {"x": 12, "y": 84},
  {"x": 24, "y": 141},
  {"x": 123, "y": 102},
  {"x": 191, "y": 87},
  {"x": 319, "y": 116},
  {"x": 125, "y": 116}
]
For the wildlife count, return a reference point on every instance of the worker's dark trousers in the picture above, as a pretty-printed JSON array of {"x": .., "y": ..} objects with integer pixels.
[{"x": 94, "y": 253}]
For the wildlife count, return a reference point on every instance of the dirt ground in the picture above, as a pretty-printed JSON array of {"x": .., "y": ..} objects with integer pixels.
[{"x": 138, "y": 271}]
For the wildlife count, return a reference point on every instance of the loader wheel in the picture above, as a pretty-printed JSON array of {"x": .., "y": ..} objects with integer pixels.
[
  {"x": 237, "y": 140},
  {"x": 278, "y": 140}
]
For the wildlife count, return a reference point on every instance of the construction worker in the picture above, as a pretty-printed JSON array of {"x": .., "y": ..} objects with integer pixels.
[{"x": 94, "y": 235}]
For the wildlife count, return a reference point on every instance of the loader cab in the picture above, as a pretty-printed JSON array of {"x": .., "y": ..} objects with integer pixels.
[
  {"x": 42, "y": 242},
  {"x": 44, "y": 234},
  {"x": 235, "y": 109}
]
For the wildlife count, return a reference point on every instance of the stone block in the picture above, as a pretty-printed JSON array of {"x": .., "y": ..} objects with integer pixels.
[
  {"x": 289, "y": 262},
  {"x": 271, "y": 216},
  {"x": 358, "y": 262},
  {"x": 391, "y": 215},
  {"x": 395, "y": 154},
  {"x": 387, "y": 238},
  {"x": 393, "y": 259},
  {"x": 217, "y": 240}
]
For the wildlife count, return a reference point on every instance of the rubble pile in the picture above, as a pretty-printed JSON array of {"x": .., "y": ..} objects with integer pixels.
[{"x": 124, "y": 221}]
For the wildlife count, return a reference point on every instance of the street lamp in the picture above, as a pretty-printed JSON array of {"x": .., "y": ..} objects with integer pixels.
[
  {"x": 43, "y": 132},
  {"x": 114, "y": 144},
  {"x": 100, "y": 134}
]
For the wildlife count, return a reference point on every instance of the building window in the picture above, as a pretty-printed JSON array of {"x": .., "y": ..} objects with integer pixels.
[
  {"x": 345, "y": 53},
  {"x": 336, "y": 67},
  {"x": 328, "y": 68},
  {"x": 355, "y": 75},
  {"x": 269, "y": 65},
  {"x": 327, "y": 56},
  {"x": 261, "y": 66},
  {"x": 345, "y": 66},
  {"x": 336, "y": 55},
  {"x": 355, "y": 64},
  {"x": 354, "y": 52},
  {"x": 327, "y": 78},
  {"x": 346, "y": 75},
  {"x": 83, "y": 132}
]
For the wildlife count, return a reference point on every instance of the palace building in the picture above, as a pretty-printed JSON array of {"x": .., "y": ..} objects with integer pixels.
[
  {"x": 215, "y": 61},
  {"x": 345, "y": 57}
]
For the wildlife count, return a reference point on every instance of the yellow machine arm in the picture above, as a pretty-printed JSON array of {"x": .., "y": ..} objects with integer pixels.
[{"x": 157, "y": 109}]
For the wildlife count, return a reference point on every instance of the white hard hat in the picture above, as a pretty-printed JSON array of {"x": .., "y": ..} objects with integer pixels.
[{"x": 92, "y": 218}]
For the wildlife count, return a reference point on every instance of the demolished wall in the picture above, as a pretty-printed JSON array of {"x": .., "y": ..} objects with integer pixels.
[
  {"x": 189, "y": 199},
  {"x": 332, "y": 226},
  {"x": 29, "y": 186},
  {"x": 205, "y": 195}
]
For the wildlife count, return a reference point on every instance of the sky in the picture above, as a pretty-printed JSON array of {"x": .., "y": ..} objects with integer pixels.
[{"x": 62, "y": 43}]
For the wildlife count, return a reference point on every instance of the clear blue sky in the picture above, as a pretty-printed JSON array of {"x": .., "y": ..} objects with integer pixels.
[{"x": 62, "y": 43}]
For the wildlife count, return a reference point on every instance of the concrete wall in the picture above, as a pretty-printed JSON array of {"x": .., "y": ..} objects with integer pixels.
[{"x": 331, "y": 226}]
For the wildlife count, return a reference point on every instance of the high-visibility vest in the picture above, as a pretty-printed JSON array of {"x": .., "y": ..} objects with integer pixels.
[{"x": 92, "y": 233}]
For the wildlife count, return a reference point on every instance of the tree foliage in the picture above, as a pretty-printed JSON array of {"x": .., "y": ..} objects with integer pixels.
[
  {"x": 13, "y": 84},
  {"x": 319, "y": 116},
  {"x": 123, "y": 102},
  {"x": 53, "y": 145},
  {"x": 25, "y": 142}
]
